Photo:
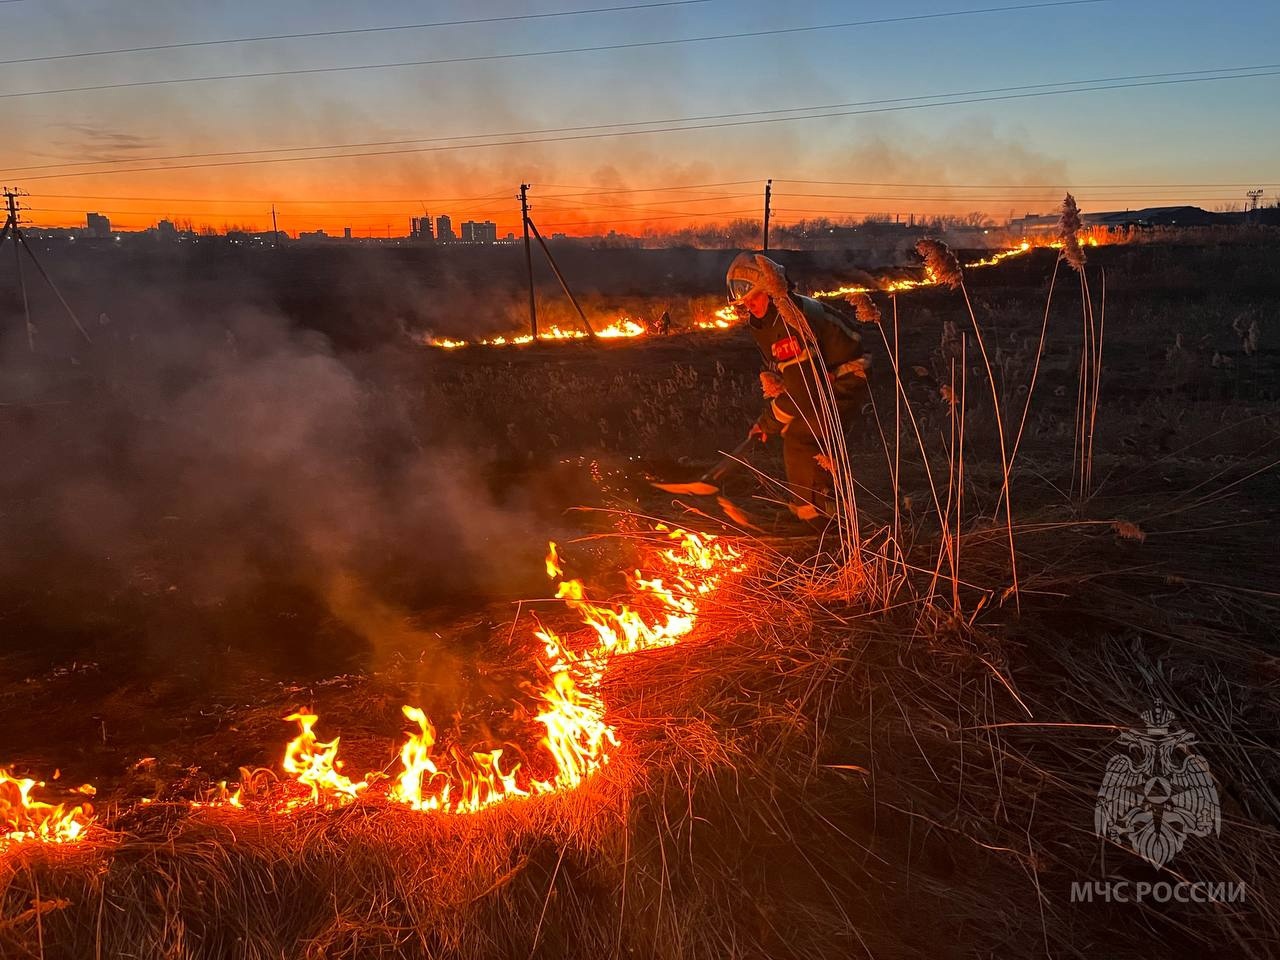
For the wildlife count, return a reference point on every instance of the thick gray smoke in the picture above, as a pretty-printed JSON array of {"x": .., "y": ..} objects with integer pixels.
[{"x": 231, "y": 462}]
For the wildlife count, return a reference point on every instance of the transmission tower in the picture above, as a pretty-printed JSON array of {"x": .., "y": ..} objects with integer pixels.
[
  {"x": 13, "y": 229},
  {"x": 1254, "y": 196}
]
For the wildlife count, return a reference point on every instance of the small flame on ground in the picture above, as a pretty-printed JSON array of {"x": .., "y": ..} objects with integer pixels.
[
  {"x": 23, "y": 818},
  {"x": 722, "y": 319},
  {"x": 315, "y": 765}
]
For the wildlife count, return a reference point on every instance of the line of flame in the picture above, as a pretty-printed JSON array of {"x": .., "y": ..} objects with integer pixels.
[
  {"x": 577, "y": 737},
  {"x": 725, "y": 317}
]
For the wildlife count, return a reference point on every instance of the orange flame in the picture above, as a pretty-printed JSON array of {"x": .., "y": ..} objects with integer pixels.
[
  {"x": 22, "y": 818},
  {"x": 315, "y": 765},
  {"x": 578, "y": 738},
  {"x": 624, "y": 327},
  {"x": 420, "y": 784},
  {"x": 722, "y": 319}
]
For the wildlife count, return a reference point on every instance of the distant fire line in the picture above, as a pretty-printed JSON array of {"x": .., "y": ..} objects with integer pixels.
[{"x": 724, "y": 318}]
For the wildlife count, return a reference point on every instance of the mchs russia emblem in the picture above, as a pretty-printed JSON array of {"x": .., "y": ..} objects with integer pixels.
[{"x": 1158, "y": 792}]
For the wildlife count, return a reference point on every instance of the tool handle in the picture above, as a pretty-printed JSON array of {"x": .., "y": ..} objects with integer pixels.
[{"x": 729, "y": 462}]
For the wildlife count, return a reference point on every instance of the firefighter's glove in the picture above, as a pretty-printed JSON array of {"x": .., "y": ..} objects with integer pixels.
[
  {"x": 771, "y": 384},
  {"x": 758, "y": 432}
]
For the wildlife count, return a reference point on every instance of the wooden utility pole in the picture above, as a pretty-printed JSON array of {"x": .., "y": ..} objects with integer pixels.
[
  {"x": 768, "y": 192},
  {"x": 275, "y": 230},
  {"x": 564, "y": 284},
  {"x": 11, "y": 196},
  {"x": 13, "y": 230},
  {"x": 528, "y": 259}
]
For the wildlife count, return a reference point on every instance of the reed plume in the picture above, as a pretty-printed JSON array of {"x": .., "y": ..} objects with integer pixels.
[
  {"x": 940, "y": 262},
  {"x": 1069, "y": 230},
  {"x": 864, "y": 307}
]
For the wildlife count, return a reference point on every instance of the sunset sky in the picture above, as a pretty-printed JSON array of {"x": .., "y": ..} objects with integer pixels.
[{"x": 1203, "y": 143}]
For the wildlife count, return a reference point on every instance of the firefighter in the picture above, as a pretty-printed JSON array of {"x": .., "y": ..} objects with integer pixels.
[{"x": 807, "y": 348}]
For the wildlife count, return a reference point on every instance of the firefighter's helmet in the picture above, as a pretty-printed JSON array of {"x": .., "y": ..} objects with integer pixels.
[{"x": 748, "y": 271}]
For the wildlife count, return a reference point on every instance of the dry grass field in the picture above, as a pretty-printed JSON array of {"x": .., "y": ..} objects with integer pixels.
[{"x": 259, "y": 491}]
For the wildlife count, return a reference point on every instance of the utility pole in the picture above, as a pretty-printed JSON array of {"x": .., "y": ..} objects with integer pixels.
[
  {"x": 275, "y": 230},
  {"x": 13, "y": 229},
  {"x": 528, "y": 259},
  {"x": 11, "y": 197},
  {"x": 768, "y": 191},
  {"x": 564, "y": 284}
]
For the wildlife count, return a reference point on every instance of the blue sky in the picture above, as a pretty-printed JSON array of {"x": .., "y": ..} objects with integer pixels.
[{"x": 1218, "y": 132}]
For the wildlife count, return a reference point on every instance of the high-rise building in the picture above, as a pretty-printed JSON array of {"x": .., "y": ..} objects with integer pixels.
[
  {"x": 420, "y": 228},
  {"x": 98, "y": 226},
  {"x": 444, "y": 229},
  {"x": 479, "y": 232},
  {"x": 346, "y": 233},
  {"x": 165, "y": 230}
]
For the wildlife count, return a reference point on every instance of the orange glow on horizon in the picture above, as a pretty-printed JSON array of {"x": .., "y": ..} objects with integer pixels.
[{"x": 311, "y": 200}]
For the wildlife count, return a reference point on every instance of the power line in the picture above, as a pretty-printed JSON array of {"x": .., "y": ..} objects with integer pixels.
[
  {"x": 502, "y": 194},
  {"x": 559, "y": 206},
  {"x": 1095, "y": 83},
  {"x": 346, "y": 33},
  {"x": 1075, "y": 88},
  {"x": 474, "y": 213},
  {"x": 496, "y": 195},
  {"x": 562, "y": 201},
  {"x": 576, "y": 223},
  {"x": 631, "y": 123},
  {"x": 381, "y": 215},
  {"x": 596, "y": 192},
  {"x": 1005, "y": 199},
  {"x": 1001, "y": 186},
  {"x": 528, "y": 54},
  {"x": 838, "y": 214},
  {"x": 479, "y": 208},
  {"x": 592, "y": 223}
]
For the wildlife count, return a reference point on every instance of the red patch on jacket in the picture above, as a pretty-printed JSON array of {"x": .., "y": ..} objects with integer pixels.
[{"x": 787, "y": 348}]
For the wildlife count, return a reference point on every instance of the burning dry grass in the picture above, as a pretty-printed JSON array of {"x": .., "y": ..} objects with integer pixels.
[
  {"x": 798, "y": 779},
  {"x": 368, "y": 880}
]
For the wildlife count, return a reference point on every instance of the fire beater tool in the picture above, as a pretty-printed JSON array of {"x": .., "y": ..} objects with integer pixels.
[{"x": 709, "y": 483}]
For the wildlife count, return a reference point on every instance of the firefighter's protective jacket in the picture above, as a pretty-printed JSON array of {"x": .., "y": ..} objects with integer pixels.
[{"x": 840, "y": 360}]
